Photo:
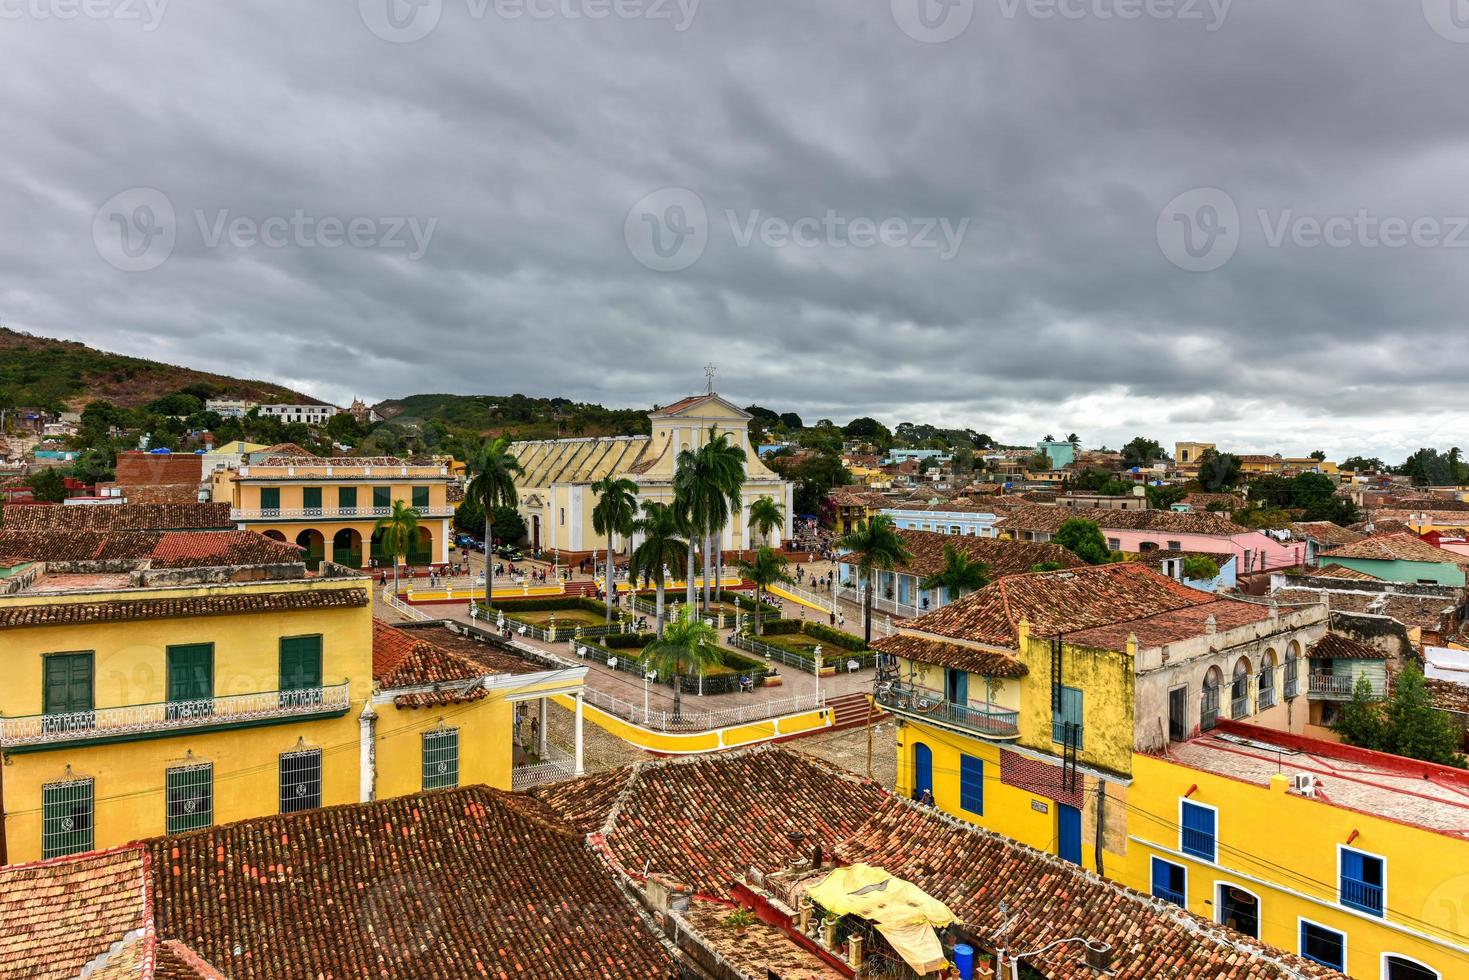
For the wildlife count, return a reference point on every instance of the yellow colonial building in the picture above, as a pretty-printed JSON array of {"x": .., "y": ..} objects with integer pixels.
[
  {"x": 329, "y": 506},
  {"x": 161, "y": 682},
  {"x": 554, "y": 489},
  {"x": 1153, "y": 733}
]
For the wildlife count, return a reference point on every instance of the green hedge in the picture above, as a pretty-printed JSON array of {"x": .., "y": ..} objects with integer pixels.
[
  {"x": 549, "y": 604},
  {"x": 819, "y": 631}
]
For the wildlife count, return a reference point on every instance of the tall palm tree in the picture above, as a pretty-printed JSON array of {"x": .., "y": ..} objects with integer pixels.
[
  {"x": 493, "y": 485},
  {"x": 875, "y": 544},
  {"x": 766, "y": 516},
  {"x": 767, "y": 569},
  {"x": 959, "y": 575},
  {"x": 398, "y": 530},
  {"x": 662, "y": 546},
  {"x": 687, "y": 642},
  {"x": 617, "y": 508},
  {"x": 706, "y": 487}
]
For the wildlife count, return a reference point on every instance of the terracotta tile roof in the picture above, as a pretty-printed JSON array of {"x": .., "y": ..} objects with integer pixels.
[
  {"x": 161, "y": 493},
  {"x": 1341, "y": 571},
  {"x": 454, "y": 492},
  {"x": 489, "y": 658},
  {"x": 1448, "y": 696},
  {"x": 1335, "y": 646},
  {"x": 401, "y": 660},
  {"x": 176, "y": 961},
  {"x": 1397, "y": 547},
  {"x": 1173, "y": 625},
  {"x": 287, "y": 450},
  {"x": 460, "y": 883},
  {"x": 58, "y": 916},
  {"x": 1002, "y": 557},
  {"x": 1064, "y": 601},
  {"x": 1050, "y": 519},
  {"x": 1325, "y": 533},
  {"x": 162, "y": 549},
  {"x": 1381, "y": 525},
  {"x": 203, "y": 549},
  {"x": 123, "y": 610},
  {"x": 985, "y": 662},
  {"x": 145, "y": 469},
  {"x": 1426, "y": 612},
  {"x": 1201, "y": 501},
  {"x": 118, "y": 517},
  {"x": 850, "y": 497},
  {"x": 972, "y": 871},
  {"x": 706, "y": 820}
]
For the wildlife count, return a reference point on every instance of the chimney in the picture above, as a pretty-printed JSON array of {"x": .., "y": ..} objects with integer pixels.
[{"x": 1211, "y": 625}]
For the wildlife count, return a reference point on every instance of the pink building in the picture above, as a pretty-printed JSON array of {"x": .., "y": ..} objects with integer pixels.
[{"x": 1136, "y": 531}]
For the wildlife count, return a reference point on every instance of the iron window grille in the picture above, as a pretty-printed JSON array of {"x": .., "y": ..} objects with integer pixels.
[
  {"x": 1209, "y": 707},
  {"x": 1240, "y": 697},
  {"x": 67, "y": 818},
  {"x": 300, "y": 780},
  {"x": 441, "y": 759},
  {"x": 190, "y": 794}
]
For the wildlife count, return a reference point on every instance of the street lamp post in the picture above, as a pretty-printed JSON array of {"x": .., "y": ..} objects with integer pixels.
[
  {"x": 816, "y": 653},
  {"x": 647, "y": 682}
]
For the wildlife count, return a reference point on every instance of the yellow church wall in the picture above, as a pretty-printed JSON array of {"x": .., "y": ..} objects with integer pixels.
[{"x": 486, "y": 740}]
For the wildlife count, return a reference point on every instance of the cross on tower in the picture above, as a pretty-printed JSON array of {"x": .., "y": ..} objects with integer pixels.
[{"x": 709, "y": 370}]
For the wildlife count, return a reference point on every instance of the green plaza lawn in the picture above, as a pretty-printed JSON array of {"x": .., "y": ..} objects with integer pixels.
[{"x": 563, "y": 617}]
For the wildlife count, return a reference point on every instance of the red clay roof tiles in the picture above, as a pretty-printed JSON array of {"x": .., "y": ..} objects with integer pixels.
[
  {"x": 984, "y": 662},
  {"x": 122, "y": 610},
  {"x": 118, "y": 517}
]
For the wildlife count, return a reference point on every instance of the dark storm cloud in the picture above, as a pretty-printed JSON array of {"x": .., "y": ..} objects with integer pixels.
[{"x": 519, "y": 145}]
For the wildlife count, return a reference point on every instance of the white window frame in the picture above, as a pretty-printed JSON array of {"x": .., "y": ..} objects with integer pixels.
[
  {"x": 1189, "y": 854},
  {"x": 1220, "y": 883},
  {"x": 1152, "y": 883},
  {"x": 1301, "y": 920},
  {"x": 1342, "y": 905},
  {"x": 1411, "y": 959}
]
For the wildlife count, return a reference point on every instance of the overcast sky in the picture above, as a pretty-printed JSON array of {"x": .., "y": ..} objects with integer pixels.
[{"x": 1024, "y": 217}]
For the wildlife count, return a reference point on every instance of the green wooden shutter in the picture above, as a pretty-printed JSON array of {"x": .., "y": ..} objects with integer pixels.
[
  {"x": 420, "y": 496},
  {"x": 346, "y": 498},
  {"x": 270, "y": 498},
  {"x": 191, "y": 672},
  {"x": 382, "y": 496},
  {"x": 311, "y": 498},
  {"x": 68, "y": 683},
  {"x": 300, "y": 662}
]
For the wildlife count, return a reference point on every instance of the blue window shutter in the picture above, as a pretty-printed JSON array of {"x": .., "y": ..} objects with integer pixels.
[
  {"x": 1198, "y": 831},
  {"x": 971, "y": 784}
]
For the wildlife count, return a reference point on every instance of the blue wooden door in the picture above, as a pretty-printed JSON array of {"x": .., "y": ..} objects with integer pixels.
[
  {"x": 1068, "y": 832},
  {"x": 922, "y": 770},
  {"x": 956, "y": 686}
]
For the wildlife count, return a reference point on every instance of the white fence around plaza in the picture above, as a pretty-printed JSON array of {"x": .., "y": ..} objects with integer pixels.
[
  {"x": 411, "y": 612},
  {"x": 558, "y": 765},
  {"x": 697, "y": 720}
]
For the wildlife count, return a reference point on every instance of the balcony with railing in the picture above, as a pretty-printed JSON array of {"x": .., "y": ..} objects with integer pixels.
[
  {"x": 1337, "y": 687},
  {"x": 923, "y": 704},
  {"x": 327, "y": 513},
  {"x": 163, "y": 718}
]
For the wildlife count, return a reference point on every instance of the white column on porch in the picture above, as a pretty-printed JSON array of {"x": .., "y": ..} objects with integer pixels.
[
  {"x": 580, "y": 766},
  {"x": 541, "y": 749},
  {"x": 367, "y": 754}
]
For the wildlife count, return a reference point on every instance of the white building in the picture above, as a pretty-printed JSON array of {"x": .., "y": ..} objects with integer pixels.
[
  {"x": 229, "y": 408},
  {"x": 310, "y": 414}
]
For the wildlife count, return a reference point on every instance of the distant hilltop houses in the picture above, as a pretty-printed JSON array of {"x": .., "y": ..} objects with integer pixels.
[{"x": 308, "y": 414}]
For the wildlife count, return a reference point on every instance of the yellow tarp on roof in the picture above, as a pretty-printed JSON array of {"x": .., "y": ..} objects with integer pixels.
[{"x": 905, "y": 914}]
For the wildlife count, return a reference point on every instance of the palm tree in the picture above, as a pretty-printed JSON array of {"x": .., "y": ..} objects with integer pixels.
[
  {"x": 767, "y": 569},
  {"x": 728, "y": 462},
  {"x": 493, "y": 486},
  {"x": 399, "y": 530},
  {"x": 875, "y": 544},
  {"x": 960, "y": 574},
  {"x": 706, "y": 488},
  {"x": 766, "y": 516},
  {"x": 688, "y": 642},
  {"x": 616, "y": 509},
  {"x": 662, "y": 546}
]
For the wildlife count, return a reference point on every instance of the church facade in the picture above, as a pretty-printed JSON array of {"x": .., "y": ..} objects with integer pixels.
[{"x": 555, "y": 494}]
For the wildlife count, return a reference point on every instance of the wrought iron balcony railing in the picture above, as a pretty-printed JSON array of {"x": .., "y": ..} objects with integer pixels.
[
  {"x": 919, "y": 702},
  {"x": 1337, "y": 687},
  {"x": 164, "y": 717}
]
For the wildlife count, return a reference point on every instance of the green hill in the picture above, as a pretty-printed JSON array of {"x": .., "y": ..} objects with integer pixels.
[
  {"x": 517, "y": 415},
  {"x": 47, "y": 373}
]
